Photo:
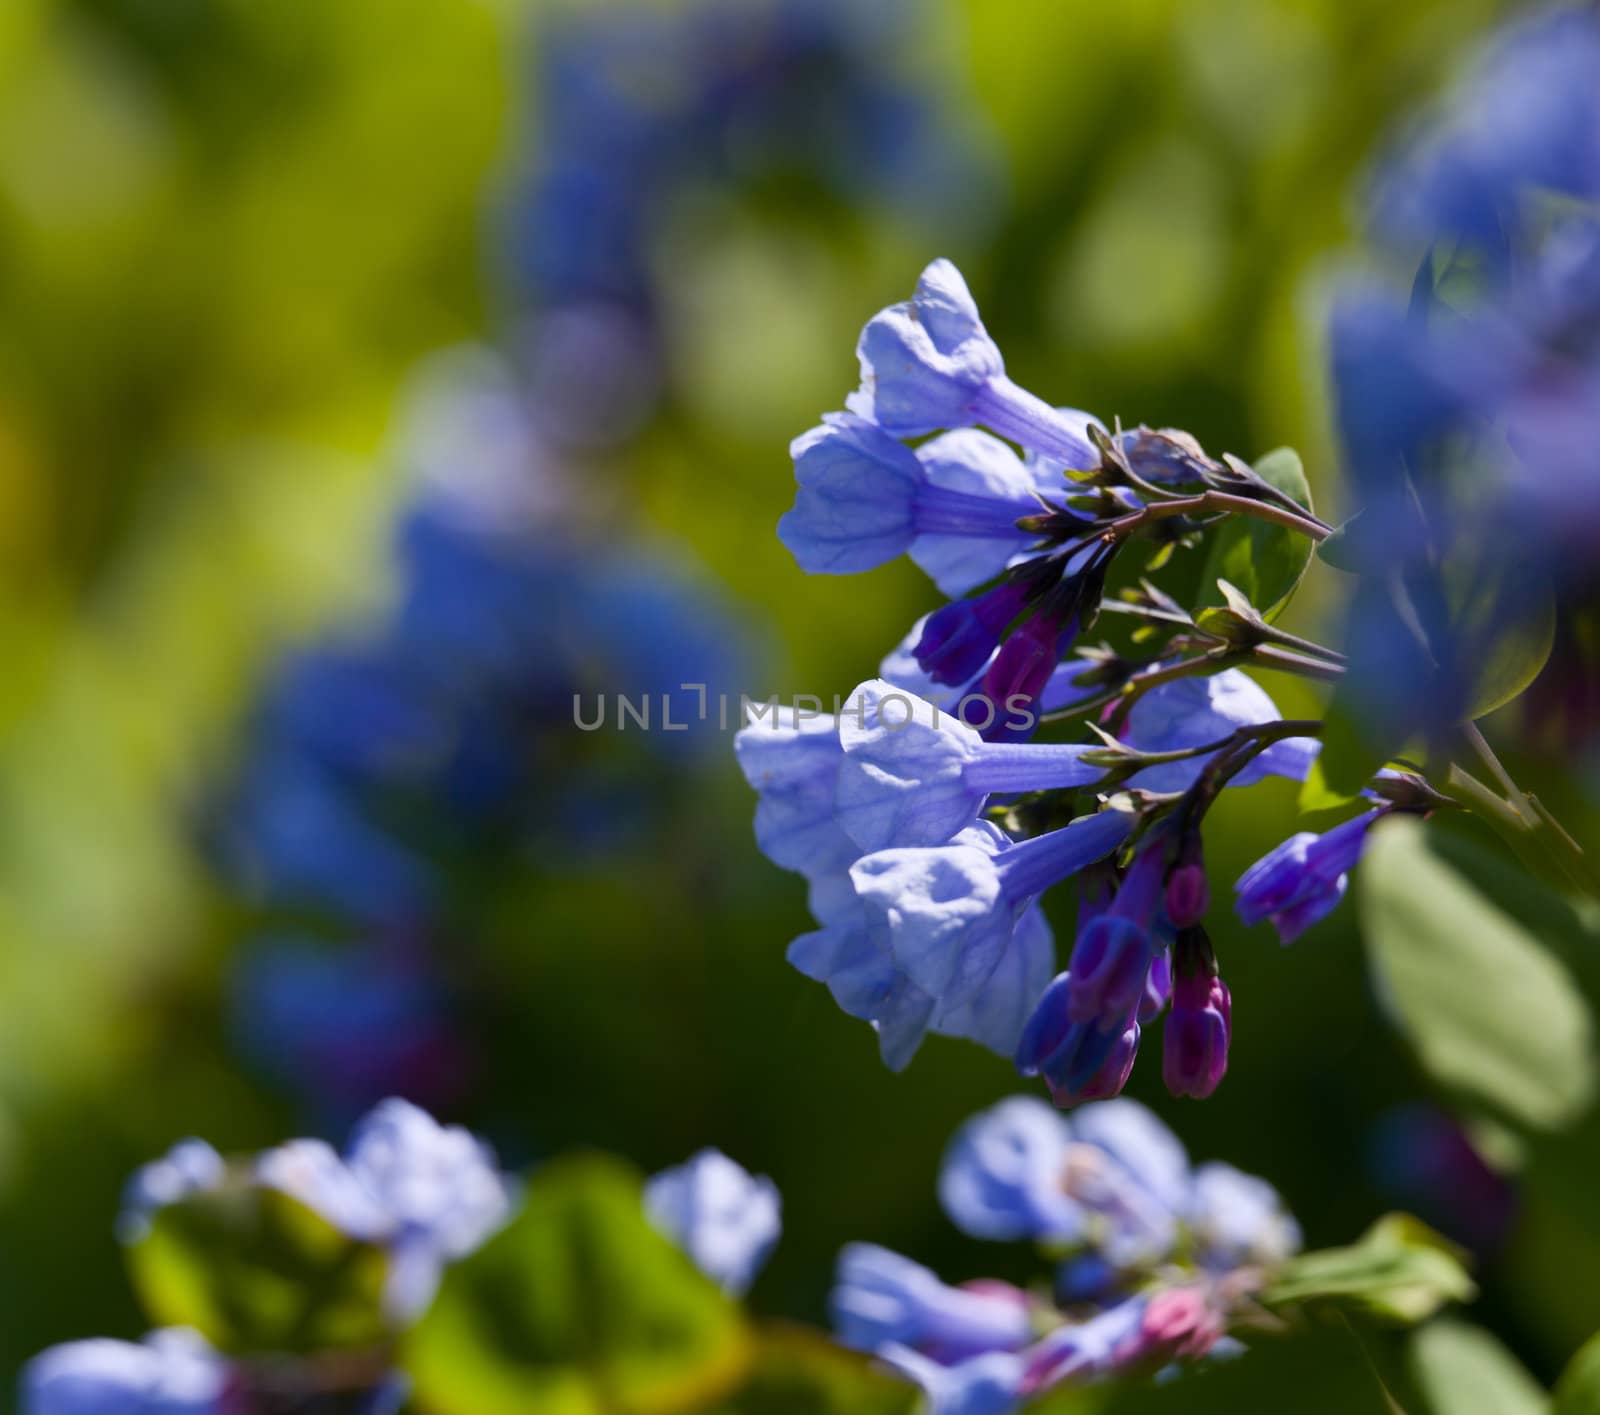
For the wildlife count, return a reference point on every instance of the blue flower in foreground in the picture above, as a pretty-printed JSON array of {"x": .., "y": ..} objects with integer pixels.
[
  {"x": 428, "y": 1193},
  {"x": 866, "y": 498},
  {"x": 795, "y": 768},
  {"x": 189, "y": 1167},
  {"x": 913, "y": 775},
  {"x": 1301, "y": 881},
  {"x": 881, "y": 1298},
  {"x": 950, "y": 910},
  {"x": 929, "y": 364},
  {"x": 723, "y": 1217},
  {"x": 852, "y": 954},
  {"x": 171, "y": 1372}
]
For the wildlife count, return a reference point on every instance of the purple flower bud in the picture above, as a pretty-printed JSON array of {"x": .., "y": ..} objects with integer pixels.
[
  {"x": 1188, "y": 895},
  {"x": 959, "y": 639},
  {"x": 1157, "y": 988},
  {"x": 1194, "y": 1055},
  {"x": 1027, "y": 659},
  {"x": 1079, "y": 1062},
  {"x": 1110, "y": 963},
  {"x": 1299, "y": 883}
]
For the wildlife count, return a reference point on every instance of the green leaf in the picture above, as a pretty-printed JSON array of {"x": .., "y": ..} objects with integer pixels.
[
  {"x": 1514, "y": 651},
  {"x": 253, "y": 1270},
  {"x": 1491, "y": 1013},
  {"x": 579, "y": 1307},
  {"x": 1400, "y": 1271},
  {"x": 1578, "y": 1390},
  {"x": 1263, "y": 560},
  {"x": 1462, "y": 1370},
  {"x": 798, "y": 1371}
]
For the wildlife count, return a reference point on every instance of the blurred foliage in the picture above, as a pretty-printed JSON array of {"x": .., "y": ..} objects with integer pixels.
[{"x": 228, "y": 231}]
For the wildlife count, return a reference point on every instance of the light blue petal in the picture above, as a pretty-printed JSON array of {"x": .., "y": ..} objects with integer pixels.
[
  {"x": 1192, "y": 712},
  {"x": 853, "y": 509},
  {"x": 1002, "y": 1174},
  {"x": 1135, "y": 1136},
  {"x": 995, "y": 1015},
  {"x": 794, "y": 762},
  {"x": 725, "y": 1218},
  {"x": 1239, "y": 1218}
]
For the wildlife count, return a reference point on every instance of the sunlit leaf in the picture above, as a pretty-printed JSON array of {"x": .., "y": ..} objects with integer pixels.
[
  {"x": 579, "y": 1307},
  {"x": 1462, "y": 1370},
  {"x": 1491, "y": 1012}
]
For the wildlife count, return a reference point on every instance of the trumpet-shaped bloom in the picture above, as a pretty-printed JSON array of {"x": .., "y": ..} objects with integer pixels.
[
  {"x": 722, "y": 1216},
  {"x": 913, "y": 775},
  {"x": 1300, "y": 882},
  {"x": 929, "y": 364},
  {"x": 170, "y": 1372},
  {"x": 795, "y": 767},
  {"x": 865, "y": 498},
  {"x": 950, "y": 910}
]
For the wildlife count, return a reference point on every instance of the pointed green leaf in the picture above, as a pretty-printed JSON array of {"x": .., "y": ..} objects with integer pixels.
[
  {"x": 1400, "y": 1271},
  {"x": 1265, "y": 562}
]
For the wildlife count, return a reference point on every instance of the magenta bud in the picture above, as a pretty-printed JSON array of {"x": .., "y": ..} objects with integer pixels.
[
  {"x": 1178, "y": 1324},
  {"x": 1194, "y": 1055}
]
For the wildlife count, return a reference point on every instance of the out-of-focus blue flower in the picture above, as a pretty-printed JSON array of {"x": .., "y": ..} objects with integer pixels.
[
  {"x": 1082, "y": 1351},
  {"x": 171, "y": 1372},
  {"x": 914, "y": 775},
  {"x": 1299, "y": 883},
  {"x": 1002, "y": 1175},
  {"x": 929, "y": 364},
  {"x": 990, "y": 1384},
  {"x": 950, "y": 910},
  {"x": 189, "y": 1167},
  {"x": 428, "y": 1193},
  {"x": 1524, "y": 120},
  {"x": 723, "y": 1217},
  {"x": 1239, "y": 1220},
  {"x": 348, "y": 1025},
  {"x": 866, "y": 498},
  {"x": 880, "y": 1298}
]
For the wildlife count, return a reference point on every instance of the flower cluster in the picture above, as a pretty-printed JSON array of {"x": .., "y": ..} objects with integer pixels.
[
  {"x": 924, "y": 817},
  {"x": 1153, "y": 1259},
  {"x": 388, "y": 759},
  {"x": 423, "y": 1193},
  {"x": 1469, "y": 398}
]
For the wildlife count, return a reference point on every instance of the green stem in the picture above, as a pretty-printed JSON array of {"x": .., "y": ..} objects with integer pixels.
[{"x": 1125, "y": 526}]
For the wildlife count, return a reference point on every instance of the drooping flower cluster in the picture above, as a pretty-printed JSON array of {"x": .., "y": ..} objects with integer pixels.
[
  {"x": 924, "y": 817},
  {"x": 390, "y": 757},
  {"x": 425, "y": 1194},
  {"x": 1153, "y": 1259},
  {"x": 1469, "y": 395}
]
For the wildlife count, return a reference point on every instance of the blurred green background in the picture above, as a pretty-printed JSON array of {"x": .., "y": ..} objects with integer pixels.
[{"x": 228, "y": 233}]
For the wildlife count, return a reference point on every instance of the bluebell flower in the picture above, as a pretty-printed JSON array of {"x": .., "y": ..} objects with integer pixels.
[
  {"x": 723, "y": 1217},
  {"x": 171, "y": 1372},
  {"x": 960, "y": 639},
  {"x": 189, "y": 1167},
  {"x": 1190, "y": 712},
  {"x": 1113, "y": 951},
  {"x": 929, "y": 364},
  {"x": 1299, "y": 883},
  {"x": 901, "y": 669},
  {"x": 951, "y": 909},
  {"x": 795, "y": 768},
  {"x": 1002, "y": 1175},
  {"x": 880, "y": 1298},
  {"x": 1238, "y": 1219},
  {"x": 427, "y": 1193},
  {"x": 851, "y": 953},
  {"x": 914, "y": 775},
  {"x": 866, "y": 498},
  {"x": 1079, "y": 1060}
]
